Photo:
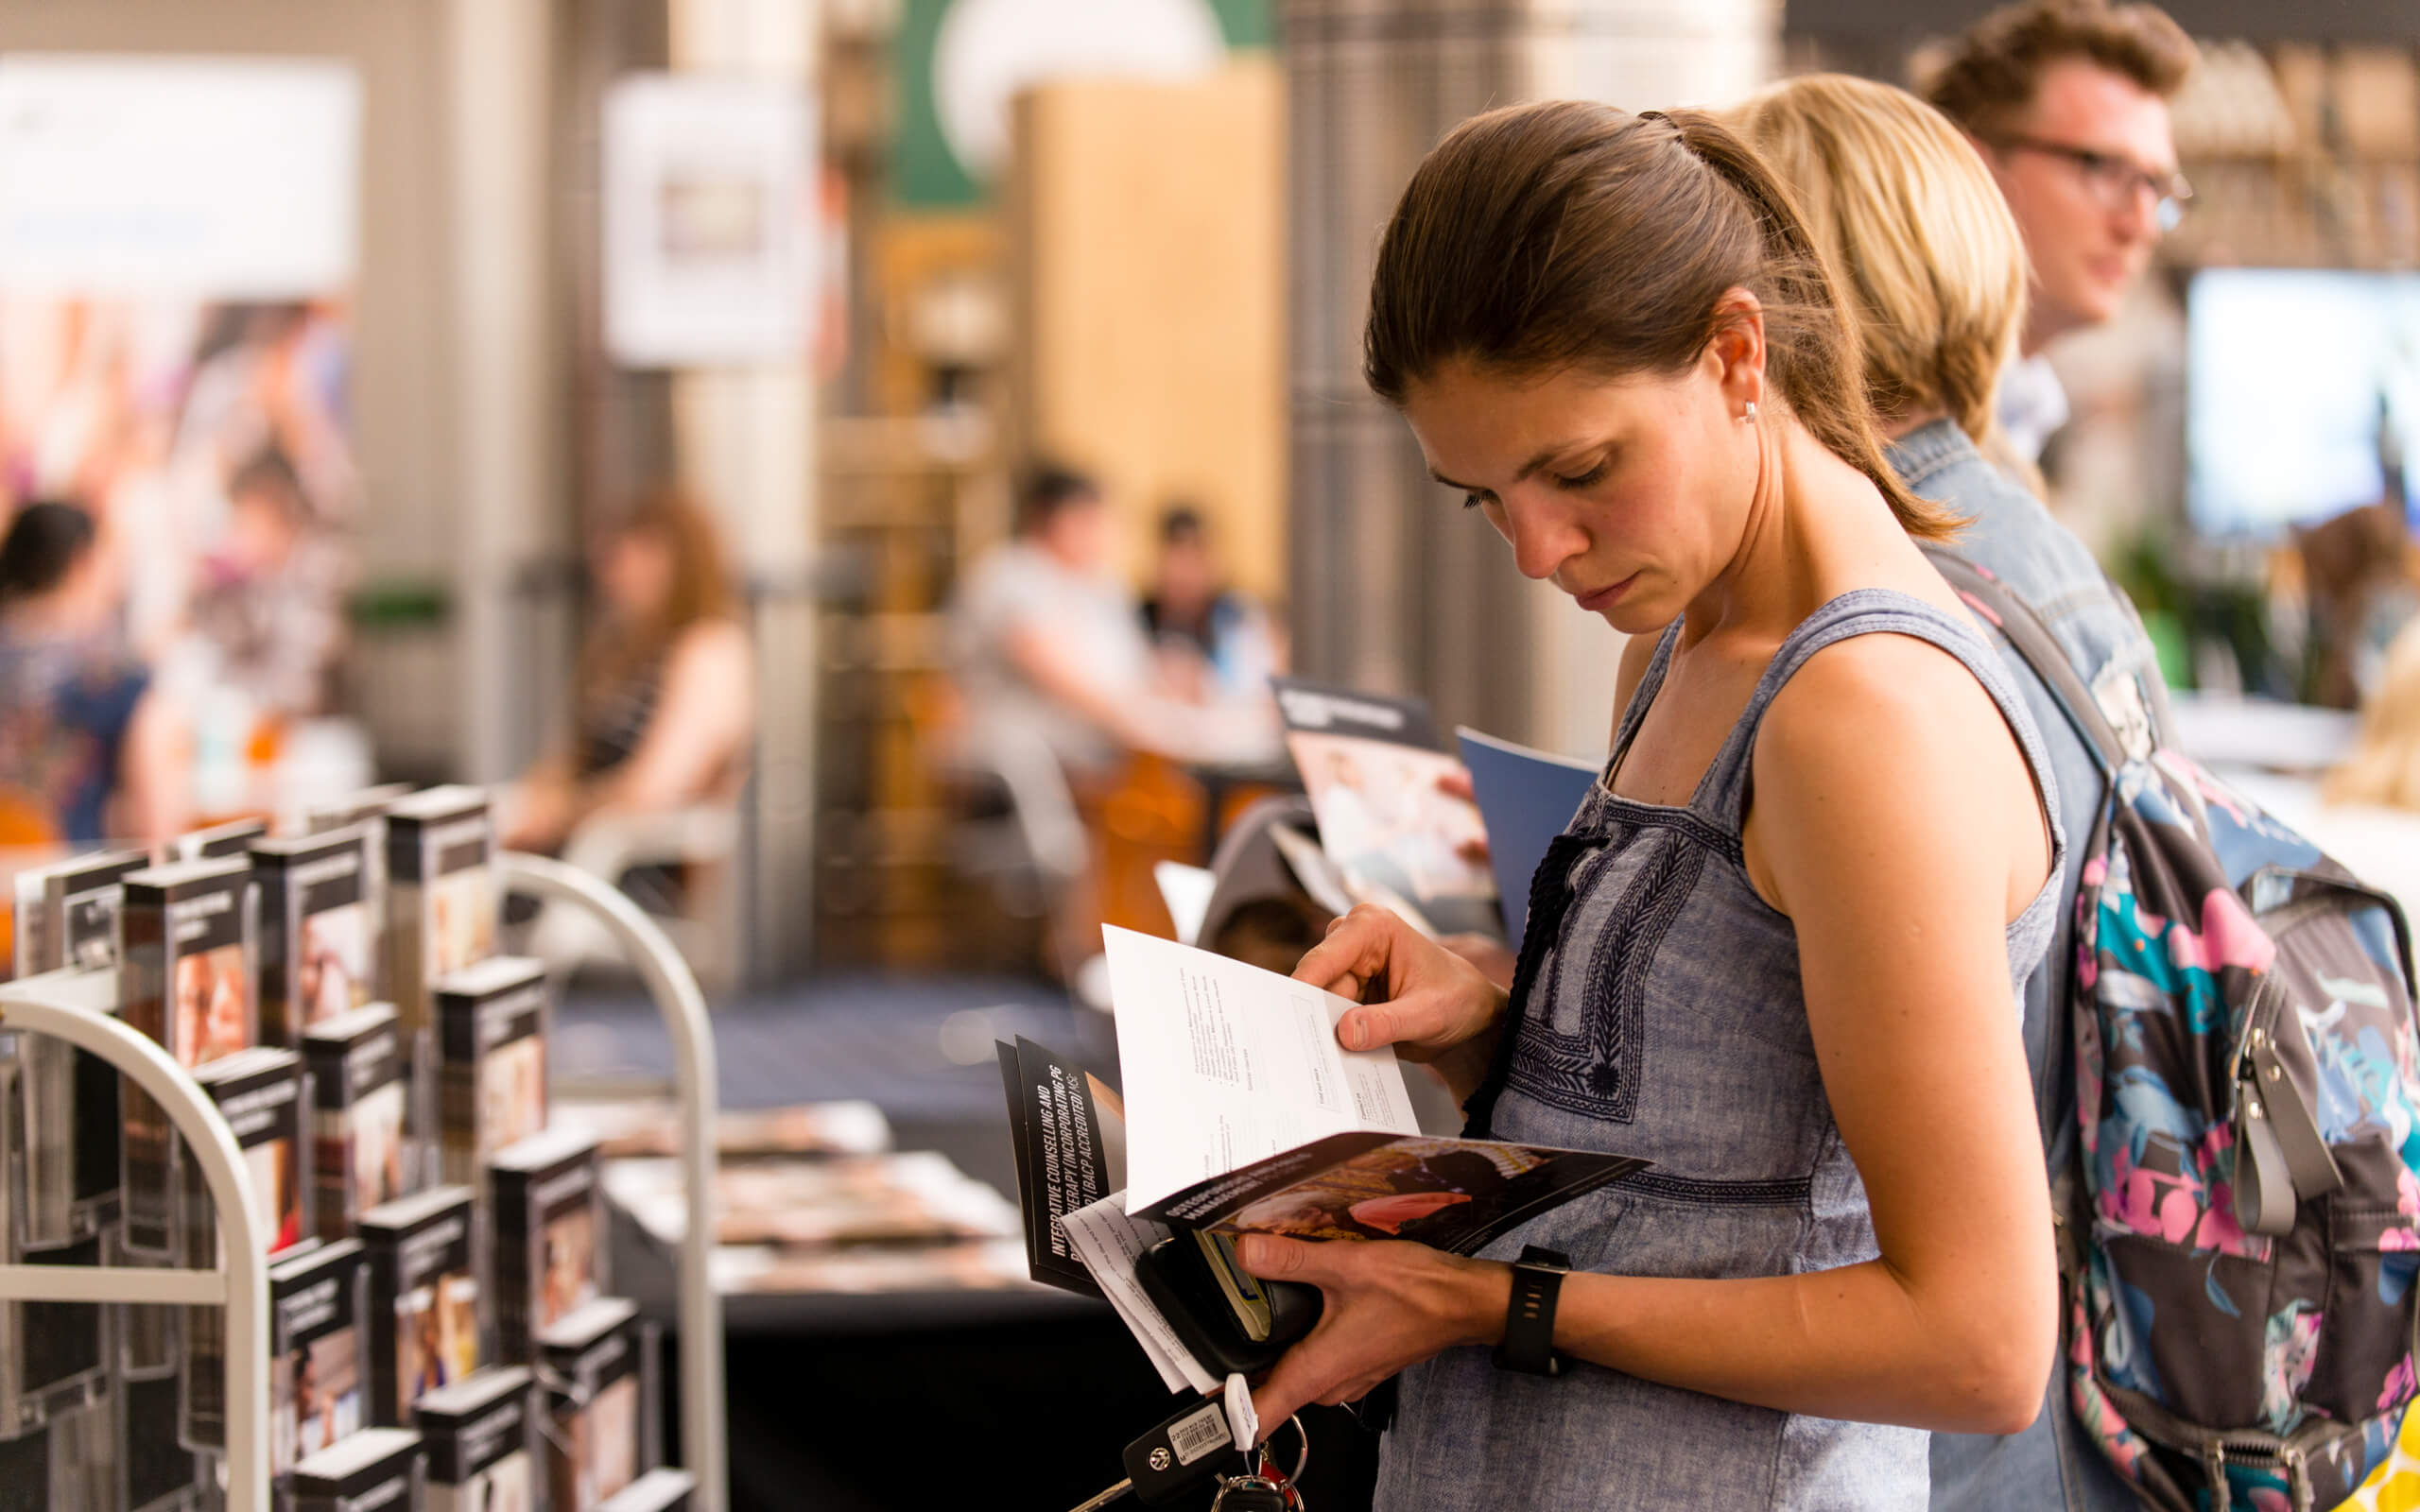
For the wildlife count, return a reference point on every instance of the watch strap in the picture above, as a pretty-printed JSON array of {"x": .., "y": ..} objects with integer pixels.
[{"x": 1528, "y": 1315}]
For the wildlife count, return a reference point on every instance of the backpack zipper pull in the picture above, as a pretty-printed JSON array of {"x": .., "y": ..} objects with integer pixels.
[{"x": 2214, "y": 1460}]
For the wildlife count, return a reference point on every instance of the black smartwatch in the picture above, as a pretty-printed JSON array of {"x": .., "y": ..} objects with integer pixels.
[{"x": 1529, "y": 1317}]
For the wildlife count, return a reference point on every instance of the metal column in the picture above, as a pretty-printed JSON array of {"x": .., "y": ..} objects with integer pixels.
[{"x": 1413, "y": 594}]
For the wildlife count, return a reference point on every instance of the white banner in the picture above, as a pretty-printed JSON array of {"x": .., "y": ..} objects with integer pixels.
[
  {"x": 225, "y": 179},
  {"x": 709, "y": 243}
]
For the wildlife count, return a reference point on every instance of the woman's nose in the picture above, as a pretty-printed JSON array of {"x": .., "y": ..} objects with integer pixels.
[{"x": 1543, "y": 538}]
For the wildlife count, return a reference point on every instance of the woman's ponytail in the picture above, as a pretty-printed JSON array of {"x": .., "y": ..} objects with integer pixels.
[{"x": 1821, "y": 375}]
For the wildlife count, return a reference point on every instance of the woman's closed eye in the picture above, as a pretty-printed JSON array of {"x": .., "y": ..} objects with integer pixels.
[{"x": 1593, "y": 475}]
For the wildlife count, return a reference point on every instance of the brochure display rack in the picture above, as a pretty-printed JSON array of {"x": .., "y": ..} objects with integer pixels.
[{"x": 239, "y": 1283}]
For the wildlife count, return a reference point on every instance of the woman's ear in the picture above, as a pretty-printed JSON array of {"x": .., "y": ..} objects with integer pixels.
[{"x": 1736, "y": 349}]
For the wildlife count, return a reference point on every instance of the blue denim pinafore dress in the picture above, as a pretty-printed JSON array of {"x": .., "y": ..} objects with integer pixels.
[{"x": 1658, "y": 1013}]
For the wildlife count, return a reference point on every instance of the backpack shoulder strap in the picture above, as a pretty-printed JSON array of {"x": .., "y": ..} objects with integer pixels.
[{"x": 2015, "y": 618}]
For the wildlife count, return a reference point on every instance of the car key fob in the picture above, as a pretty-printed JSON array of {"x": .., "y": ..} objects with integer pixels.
[{"x": 1190, "y": 1450}]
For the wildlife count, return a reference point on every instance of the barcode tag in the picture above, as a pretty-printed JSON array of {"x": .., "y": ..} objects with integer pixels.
[
  {"x": 1192, "y": 1448},
  {"x": 1204, "y": 1432}
]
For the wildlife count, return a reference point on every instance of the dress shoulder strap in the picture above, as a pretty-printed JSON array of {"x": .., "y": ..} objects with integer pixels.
[
  {"x": 1723, "y": 796},
  {"x": 1635, "y": 713}
]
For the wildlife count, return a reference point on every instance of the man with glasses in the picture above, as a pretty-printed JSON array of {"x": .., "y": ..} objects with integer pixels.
[{"x": 2066, "y": 100}]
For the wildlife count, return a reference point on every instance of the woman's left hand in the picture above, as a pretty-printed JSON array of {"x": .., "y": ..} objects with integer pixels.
[{"x": 1385, "y": 1305}]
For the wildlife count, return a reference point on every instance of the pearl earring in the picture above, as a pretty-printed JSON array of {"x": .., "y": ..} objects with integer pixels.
[{"x": 1750, "y": 417}]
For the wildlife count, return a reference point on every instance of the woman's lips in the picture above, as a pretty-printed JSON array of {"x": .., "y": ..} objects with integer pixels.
[{"x": 1604, "y": 598}]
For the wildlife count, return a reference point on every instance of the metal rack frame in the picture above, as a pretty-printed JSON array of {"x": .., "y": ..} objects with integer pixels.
[
  {"x": 240, "y": 1283},
  {"x": 704, "y": 1451}
]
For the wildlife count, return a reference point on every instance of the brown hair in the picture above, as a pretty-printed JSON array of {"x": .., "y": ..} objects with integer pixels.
[
  {"x": 1925, "y": 248},
  {"x": 701, "y": 590},
  {"x": 1570, "y": 234},
  {"x": 1993, "y": 71}
]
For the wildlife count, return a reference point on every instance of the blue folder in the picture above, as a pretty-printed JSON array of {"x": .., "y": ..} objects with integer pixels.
[{"x": 1526, "y": 797}]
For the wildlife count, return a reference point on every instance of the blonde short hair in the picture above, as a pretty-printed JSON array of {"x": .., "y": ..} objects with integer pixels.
[{"x": 1929, "y": 258}]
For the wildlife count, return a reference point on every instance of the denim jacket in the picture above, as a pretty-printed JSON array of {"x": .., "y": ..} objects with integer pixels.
[{"x": 2051, "y": 1464}]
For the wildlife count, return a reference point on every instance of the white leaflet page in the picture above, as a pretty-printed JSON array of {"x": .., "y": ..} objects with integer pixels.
[
  {"x": 1226, "y": 1064},
  {"x": 1108, "y": 1242}
]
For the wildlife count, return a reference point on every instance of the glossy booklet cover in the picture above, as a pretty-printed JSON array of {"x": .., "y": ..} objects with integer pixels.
[{"x": 1373, "y": 767}]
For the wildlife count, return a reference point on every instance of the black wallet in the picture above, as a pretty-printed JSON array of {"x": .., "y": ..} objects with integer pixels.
[{"x": 1229, "y": 1320}]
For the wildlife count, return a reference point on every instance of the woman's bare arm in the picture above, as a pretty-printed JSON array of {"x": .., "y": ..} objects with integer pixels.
[{"x": 1896, "y": 840}]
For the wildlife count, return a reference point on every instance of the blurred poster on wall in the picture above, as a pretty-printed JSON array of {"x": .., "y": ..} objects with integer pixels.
[
  {"x": 710, "y": 250},
  {"x": 178, "y": 245}
]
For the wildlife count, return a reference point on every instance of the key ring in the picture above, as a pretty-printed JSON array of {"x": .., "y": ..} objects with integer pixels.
[
  {"x": 1285, "y": 1487},
  {"x": 1301, "y": 1456}
]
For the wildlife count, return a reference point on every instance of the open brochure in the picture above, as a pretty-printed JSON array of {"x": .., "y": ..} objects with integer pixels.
[
  {"x": 1526, "y": 798},
  {"x": 1372, "y": 766},
  {"x": 1242, "y": 1114}
]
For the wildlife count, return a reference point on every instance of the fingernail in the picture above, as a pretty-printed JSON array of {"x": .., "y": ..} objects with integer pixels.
[
  {"x": 1254, "y": 1252},
  {"x": 1348, "y": 1031}
]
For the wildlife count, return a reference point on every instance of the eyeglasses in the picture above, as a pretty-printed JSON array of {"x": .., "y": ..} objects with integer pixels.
[{"x": 2116, "y": 182}]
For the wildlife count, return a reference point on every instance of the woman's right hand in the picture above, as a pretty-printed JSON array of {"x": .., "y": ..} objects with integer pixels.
[{"x": 1417, "y": 995}]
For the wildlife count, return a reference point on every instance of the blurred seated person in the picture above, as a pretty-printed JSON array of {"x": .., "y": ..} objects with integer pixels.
[
  {"x": 1045, "y": 641},
  {"x": 1209, "y": 635},
  {"x": 269, "y": 606},
  {"x": 89, "y": 750},
  {"x": 665, "y": 702},
  {"x": 2383, "y": 767}
]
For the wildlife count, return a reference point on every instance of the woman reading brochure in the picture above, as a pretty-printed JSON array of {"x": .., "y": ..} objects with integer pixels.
[{"x": 1778, "y": 948}]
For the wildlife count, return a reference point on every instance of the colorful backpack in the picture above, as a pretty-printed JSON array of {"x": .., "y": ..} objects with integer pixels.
[{"x": 2240, "y": 1240}]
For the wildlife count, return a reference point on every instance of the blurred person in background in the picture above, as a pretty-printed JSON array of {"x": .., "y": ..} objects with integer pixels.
[
  {"x": 1047, "y": 641},
  {"x": 1059, "y": 691},
  {"x": 89, "y": 748},
  {"x": 1934, "y": 267},
  {"x": 664, "y": 703},
  {"x": 1210, "y": 636},
  {"x": 2067, "y": 102},
  {"x": 269, "y": 596}
]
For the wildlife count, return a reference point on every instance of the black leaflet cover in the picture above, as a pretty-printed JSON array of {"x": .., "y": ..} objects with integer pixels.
[
  {"x": 424, "y": 1305},
  {"x": 260, "y": 1094},
  {"x": 1064, "y": 1160},
  {"x": 441, "y": 898},
  {"x": 492, "y": 1046},
  {"x": 594, "y": 1369},
  {"x": 360, "y": 1133},
  {"x": 186, "y": 981},
  {"x": 318, "y": 1370},
  {"x": 549, "y": 1240},
  {"x": 373, "y": 1471},
  {"x": 317, "y": 942},
  {"x": 222, "y": 840},
  {"x": 470, "y": 1427},
  {"x": 88, "y": 894}
]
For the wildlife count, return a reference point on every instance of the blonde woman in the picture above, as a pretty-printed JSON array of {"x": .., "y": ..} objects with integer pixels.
[{"x": 1932, "y": 264}]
